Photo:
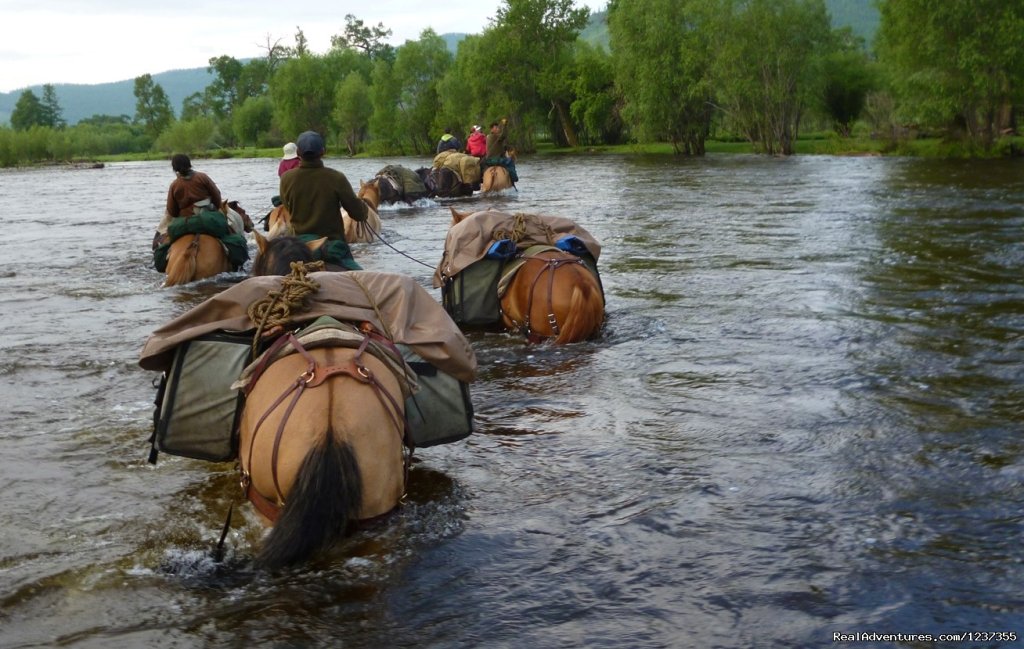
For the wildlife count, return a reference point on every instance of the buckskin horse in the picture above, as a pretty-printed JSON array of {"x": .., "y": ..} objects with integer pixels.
[
  {"x": 551, "y": 294},
  {"x": 321, "y": 434},
  {"x": 322, "y": 439},
  {"x": 324, "y": 443},
  {"x": 198, "y": 256},
  {"x": 496, "y": 177},
  {"x": 279, "y": 224}
]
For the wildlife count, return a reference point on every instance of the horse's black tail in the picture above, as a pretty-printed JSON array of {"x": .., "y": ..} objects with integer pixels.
[{"x": 325, "y": 497}]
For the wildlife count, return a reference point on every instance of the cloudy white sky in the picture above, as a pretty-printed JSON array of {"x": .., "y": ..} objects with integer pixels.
[{"x": 96, "y": 41}]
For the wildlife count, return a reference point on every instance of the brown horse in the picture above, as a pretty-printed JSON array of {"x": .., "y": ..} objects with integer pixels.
[
  {"x": 321, "y": 433},
  {"x": 276, "y": 252},
  {"x": 198, "y": 256},
  {"x": 552, "y": 295},
  {"x": 279, "y": 224}
]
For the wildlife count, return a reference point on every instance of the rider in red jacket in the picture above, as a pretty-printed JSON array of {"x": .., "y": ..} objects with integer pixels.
[{"x": 476, "y": 143}]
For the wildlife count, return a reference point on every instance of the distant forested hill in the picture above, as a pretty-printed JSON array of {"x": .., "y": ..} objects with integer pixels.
[
  {"x": 118, "y": 98},
  {"x": 79, "y": 101}
]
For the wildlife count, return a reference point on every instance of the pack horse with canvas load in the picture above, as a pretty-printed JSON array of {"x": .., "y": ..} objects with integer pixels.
[
  {"x": 207, "y": 243},
  {"x": 319, "y": 385},
  {"x": 530, "y": 273}
]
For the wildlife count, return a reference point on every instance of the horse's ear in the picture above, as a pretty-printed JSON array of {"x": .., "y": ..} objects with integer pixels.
[
  {"x": 261, "y": 242},
  {"x": 315, "y": 244},
  {"x": 457, "y": 217},
  {"x": 362, "y": 183}
]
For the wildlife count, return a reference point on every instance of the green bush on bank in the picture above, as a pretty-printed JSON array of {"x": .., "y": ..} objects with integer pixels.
[{"x": 119, "y": 143}]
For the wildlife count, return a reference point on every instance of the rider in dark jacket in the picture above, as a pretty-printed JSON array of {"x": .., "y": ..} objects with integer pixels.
[{"x": 448, "y": 142}]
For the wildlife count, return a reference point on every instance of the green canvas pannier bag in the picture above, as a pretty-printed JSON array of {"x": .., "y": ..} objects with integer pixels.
[
  {"x": 471, "y": 297},
  {"x": 209, "y": 222},
  {"x": 197, "y": 411},
  {"x": 441, "y": 411}
]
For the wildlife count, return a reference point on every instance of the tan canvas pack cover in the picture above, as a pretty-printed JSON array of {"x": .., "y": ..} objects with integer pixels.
[
  {"x": 469, "y": 240},
  {"x": 407, "y": 313},
  {"x": 467, "y": 166}
]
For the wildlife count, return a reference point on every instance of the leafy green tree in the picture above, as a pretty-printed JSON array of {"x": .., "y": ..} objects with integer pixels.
[
  {"x": 956, "y": 61},
  {"x": 418, "y": 70},
  {"x": 193, "y": 135},
  {"x": 467, "y": 93},
  {"x": 352, "y": 110},
  {"x": 152, "y": 108},
  {"x": 252, "y": 119},
  {"x": 28, "y": 112},
  {"x": 767, "y": 68},
  {"x": 303, "y": 89},
  {"x": 222, "y": 94},
  {"x": 301, "y": 44},
  {"x": 385, "y": 92},
  {"x": 103, "y": 121},
  {"x": 849, "y": 77},
  {"x": 371, "y": 41},
  {"x": 526, "y": 53},
  {"x": 663, "y": 54},
  {"x": 52, "y": 114},
  {"x": 597, "y": 106},
  {"x": 195, "y": 106}
]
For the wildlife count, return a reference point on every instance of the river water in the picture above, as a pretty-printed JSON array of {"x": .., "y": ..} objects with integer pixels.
[{"x": 803, "y": 417}]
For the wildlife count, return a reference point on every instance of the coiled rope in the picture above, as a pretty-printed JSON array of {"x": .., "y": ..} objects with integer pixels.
[
  {"x": 518, "y": 229},
  {"x": 277, "y": 307}
]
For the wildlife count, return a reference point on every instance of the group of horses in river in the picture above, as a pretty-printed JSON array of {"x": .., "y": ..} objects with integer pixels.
[{"x": 321, "y": 433}]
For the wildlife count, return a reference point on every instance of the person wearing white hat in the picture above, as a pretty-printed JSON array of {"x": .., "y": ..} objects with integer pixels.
[{"x": 289, "y": 160}]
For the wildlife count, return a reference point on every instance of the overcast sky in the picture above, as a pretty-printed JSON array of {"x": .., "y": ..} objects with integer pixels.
[{"x": 95, "y": 41}]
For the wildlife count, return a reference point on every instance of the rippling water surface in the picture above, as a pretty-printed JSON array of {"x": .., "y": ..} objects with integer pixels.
[{"x": 802, "y": 417}]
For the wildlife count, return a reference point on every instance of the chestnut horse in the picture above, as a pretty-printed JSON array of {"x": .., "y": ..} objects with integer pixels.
[
  {"x": 552, "y": 295},
  {"x": 321, "y": 432},
  {"x": 197, "y": 256}
]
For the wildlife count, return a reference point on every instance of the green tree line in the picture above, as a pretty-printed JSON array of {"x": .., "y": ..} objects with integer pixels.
[{"x": 677, "y": 71}]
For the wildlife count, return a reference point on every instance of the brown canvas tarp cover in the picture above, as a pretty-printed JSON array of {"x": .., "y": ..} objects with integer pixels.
[
  {"x": 469, "y": 240},
  {"x": 465, "y": 165},
  {"x": 410, "y": 315}
]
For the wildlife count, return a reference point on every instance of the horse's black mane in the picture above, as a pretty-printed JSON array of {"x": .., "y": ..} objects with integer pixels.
[{"x": 279, "y": 254}]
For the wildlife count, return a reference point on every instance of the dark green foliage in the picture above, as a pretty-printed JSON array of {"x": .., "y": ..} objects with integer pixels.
[{"x": 28, "y": 112}]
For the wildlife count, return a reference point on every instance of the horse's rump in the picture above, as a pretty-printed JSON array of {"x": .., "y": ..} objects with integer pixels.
[
  {"x": 495, "y": 179},
  {"x": 195, "y": 256},
  {"x": 562, "y": 298},
  {"x": 553, "y": 295},
  {"x": 300, "y": 433}
]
